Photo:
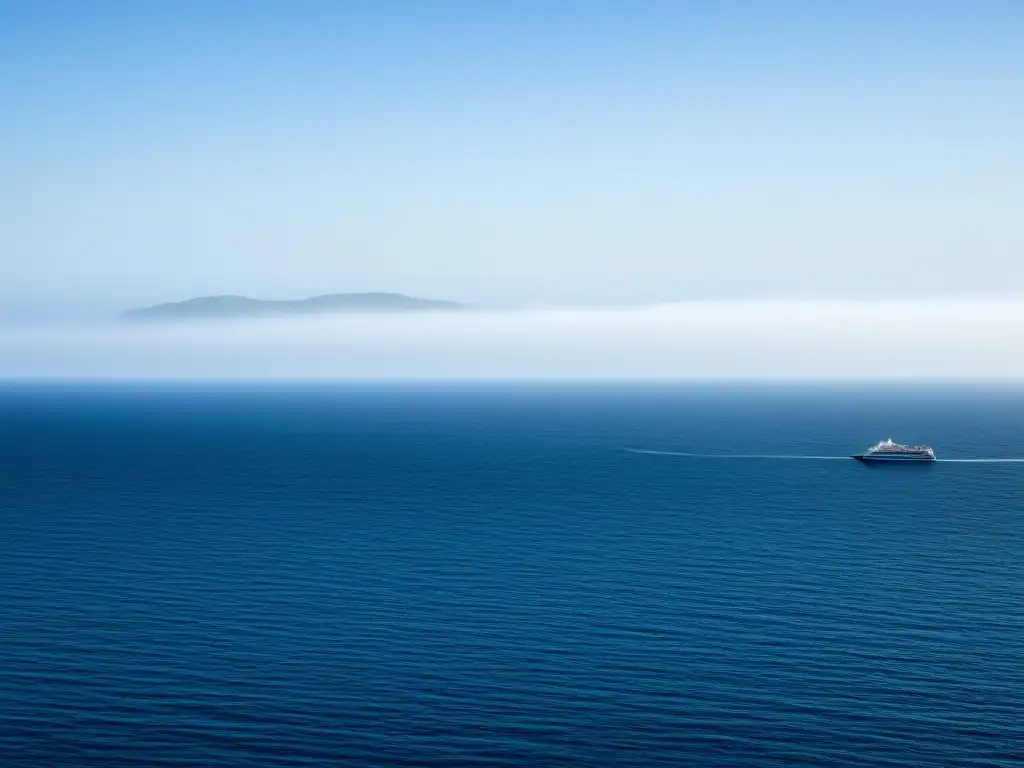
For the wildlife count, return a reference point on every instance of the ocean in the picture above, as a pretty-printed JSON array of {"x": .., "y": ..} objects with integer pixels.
[{"x": 510, "y": 575}]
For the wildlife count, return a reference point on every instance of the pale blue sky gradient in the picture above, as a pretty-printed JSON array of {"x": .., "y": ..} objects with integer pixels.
[{"x": 527, "y": 153}]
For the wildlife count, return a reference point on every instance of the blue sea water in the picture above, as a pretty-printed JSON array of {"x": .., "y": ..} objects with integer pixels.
[{"x": 472, "y": 575}]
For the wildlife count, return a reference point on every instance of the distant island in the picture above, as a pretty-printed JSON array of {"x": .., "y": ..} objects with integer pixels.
[{"x": 225, "y": 307}]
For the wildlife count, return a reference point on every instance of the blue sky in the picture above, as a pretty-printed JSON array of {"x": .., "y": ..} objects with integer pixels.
[{"x": 509, "y": 153}]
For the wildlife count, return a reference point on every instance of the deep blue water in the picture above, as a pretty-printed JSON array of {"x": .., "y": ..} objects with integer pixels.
[{"x": 316, "y": 575}]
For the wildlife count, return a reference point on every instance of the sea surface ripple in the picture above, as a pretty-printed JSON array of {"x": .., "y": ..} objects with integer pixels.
[{"x": 473, "y": 575}]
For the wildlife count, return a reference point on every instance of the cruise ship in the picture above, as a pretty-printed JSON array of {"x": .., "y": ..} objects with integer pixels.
[{"x": 887, "y": 450}]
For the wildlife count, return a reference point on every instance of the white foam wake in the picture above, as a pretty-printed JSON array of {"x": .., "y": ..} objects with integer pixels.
[
  {"x": 737, "y": 455},
  {"x": 981, "y": 461}
]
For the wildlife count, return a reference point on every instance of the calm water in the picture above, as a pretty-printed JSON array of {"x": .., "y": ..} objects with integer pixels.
[{"x": 457, "y": 575}]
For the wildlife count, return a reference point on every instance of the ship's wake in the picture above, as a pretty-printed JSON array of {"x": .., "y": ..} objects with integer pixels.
[
  {"x": 981, "y": 461},
  {"x": 737, "y": 455}
]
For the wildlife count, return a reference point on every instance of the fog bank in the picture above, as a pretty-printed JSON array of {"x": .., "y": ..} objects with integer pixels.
[{"x": 754, "y": 339}]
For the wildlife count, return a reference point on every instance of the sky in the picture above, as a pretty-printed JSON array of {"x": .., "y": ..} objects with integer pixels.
[
  {"x": 536, "y": 154},
  {"x": 626, "y": 189}
]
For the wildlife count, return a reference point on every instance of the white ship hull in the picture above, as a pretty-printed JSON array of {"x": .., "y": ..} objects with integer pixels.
[{"x": 894, "y": 457}]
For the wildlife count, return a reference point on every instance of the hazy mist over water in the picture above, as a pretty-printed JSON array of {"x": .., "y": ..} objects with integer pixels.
[{"x": 753, "y": 339}]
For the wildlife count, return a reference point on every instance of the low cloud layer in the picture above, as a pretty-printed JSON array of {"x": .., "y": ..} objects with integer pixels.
[{"x": 946, "y": 339}]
